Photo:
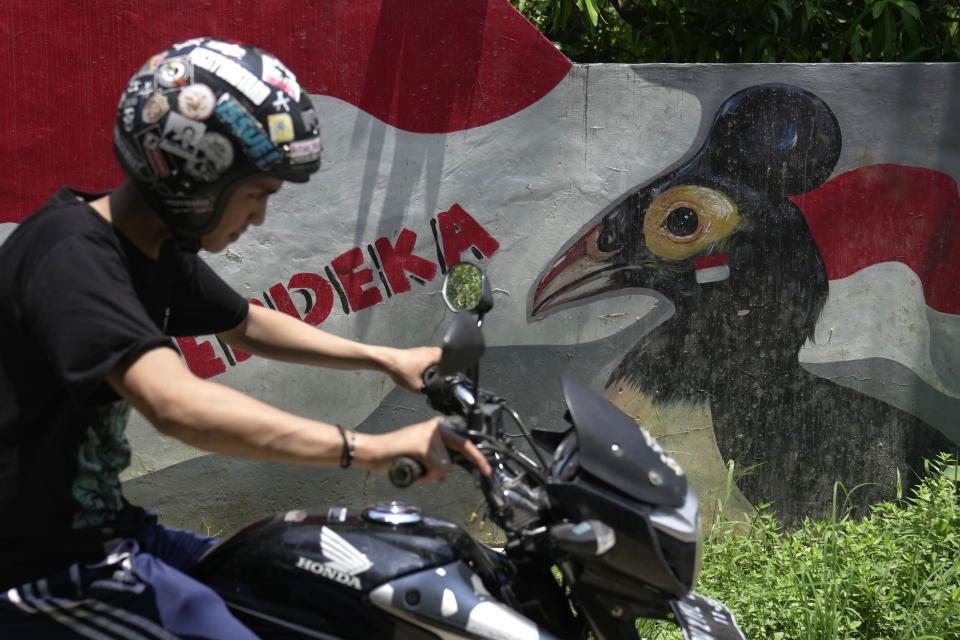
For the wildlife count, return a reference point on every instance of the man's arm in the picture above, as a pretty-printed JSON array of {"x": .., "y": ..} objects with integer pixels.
[
  {"x": 216, "y": 418},
  {"x": 275, "y": 335}
]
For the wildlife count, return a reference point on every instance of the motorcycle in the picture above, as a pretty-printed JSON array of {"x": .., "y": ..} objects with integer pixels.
[{"x": 601, "y": 529}]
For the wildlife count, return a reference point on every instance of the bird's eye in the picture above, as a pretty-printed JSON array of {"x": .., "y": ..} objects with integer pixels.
[
  {"x": 685, "y": 220},
  {"x": 682, "y": 222}
]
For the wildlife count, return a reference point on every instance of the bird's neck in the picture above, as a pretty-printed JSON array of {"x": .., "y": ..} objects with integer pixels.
[{"x": 708, "y": 348}]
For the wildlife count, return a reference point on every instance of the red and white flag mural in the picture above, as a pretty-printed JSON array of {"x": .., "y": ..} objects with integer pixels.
[
  {"x": 454, "y": 130},
  {"x": 890, "y": 239}
]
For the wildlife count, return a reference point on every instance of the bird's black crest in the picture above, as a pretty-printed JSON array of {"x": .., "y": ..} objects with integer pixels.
[{"x": 776, "y": 137}]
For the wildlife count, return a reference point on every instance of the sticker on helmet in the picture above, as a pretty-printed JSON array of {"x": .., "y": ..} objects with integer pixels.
[
  {"x": 192, "y": 42},
  {"x": 226, "y": 48},
  {"x": 214, "y": 156},
  {"x": 282, "y": 103},
  {"x": 150, "y": 142},
  {"x": 173, "y": 74},
  {"x": 275, "y": 73},
  {"x": 181, "y": 135},
  {"x": 248, "y": 131},
  {"x": 151, "y": 65},
  {"x": 128, "y": 154},
  {"x": 129, "y": 114},
  {"x": 304, "y": 151},
  {"x": 231, "y": 72},
  {"x": 196, "y": 101},
  {"x": 154, "y": 108},
  {"x": 310, "y": 120},
  {"x": 140, "y": 85},
  {"x": 281, "y": 127}
]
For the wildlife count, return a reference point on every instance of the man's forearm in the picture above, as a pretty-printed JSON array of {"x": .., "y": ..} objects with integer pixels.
[
  {"x": 216, "y": 418},
  {"x": 275, "y": 335}
]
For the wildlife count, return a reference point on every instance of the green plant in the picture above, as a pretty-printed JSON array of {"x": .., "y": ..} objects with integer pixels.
[
  {"x": 893, "y": 574},
  {"x": 749, "y": 30}
]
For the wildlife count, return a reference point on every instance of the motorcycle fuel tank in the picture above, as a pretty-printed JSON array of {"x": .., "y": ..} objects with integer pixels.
[{"x": 312, "y": 571}]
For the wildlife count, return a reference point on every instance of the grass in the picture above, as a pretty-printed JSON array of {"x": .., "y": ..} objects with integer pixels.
[{"x": 892, "y": 574}]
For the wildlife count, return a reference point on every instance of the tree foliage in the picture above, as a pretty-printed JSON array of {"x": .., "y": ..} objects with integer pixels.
[{"x": 749, "y": 30}]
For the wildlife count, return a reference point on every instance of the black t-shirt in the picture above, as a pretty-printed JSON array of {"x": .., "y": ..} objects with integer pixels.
[{"x": 77, "y": 299}]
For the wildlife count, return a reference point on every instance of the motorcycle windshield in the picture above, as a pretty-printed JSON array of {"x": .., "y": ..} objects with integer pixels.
[{"x": 616, "y": 450}]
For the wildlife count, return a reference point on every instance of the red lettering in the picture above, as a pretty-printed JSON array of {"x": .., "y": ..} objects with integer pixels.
[
  {"x": 200, "y": 357},
  {"x": 322, "y": 295},
  {"x": 354, "y": 279},
  {"x": 397, "y": 259},
  {"x": 460, "y": 231},
  {"x": 282, "y": 299}
]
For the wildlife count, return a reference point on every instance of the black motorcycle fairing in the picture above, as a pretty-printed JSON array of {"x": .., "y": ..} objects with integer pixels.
[
  {"x": 615, "y": 450},
  {"x": 636, "y": 556},
  {"x": 312, "y": 570},
  {"x": 547, "y": 439}
]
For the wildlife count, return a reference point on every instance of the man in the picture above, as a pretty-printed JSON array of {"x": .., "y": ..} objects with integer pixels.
[{"x": 93, "y": 285}]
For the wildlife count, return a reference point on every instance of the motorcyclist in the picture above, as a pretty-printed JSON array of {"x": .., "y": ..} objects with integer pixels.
[{"x": 93, "y": 285}]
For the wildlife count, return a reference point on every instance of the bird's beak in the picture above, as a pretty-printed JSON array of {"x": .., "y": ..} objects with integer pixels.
[{"x": 581, "y": 271}]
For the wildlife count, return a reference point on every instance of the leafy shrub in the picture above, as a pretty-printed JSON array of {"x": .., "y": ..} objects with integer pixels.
[
  {"x": 892, "y": 574},
  {"x": 749, "y": 30}
]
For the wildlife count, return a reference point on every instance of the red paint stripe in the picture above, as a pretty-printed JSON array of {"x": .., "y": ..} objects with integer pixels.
[
  {"x": 890, "y": 213},
  {"x": 419, "y": 65},
  {"x": 705, "y": 262}
]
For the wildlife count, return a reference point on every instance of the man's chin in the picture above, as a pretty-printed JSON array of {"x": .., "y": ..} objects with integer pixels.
[{"x": 215, "y": 245}]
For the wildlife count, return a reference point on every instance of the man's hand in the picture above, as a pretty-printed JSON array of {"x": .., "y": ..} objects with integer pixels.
[
  {"x": 406, "y": 366},
  {"x": 429, "y": 442}
]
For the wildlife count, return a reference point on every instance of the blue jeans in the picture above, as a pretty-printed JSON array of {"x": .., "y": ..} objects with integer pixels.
[{"x": 139, "y": 591}]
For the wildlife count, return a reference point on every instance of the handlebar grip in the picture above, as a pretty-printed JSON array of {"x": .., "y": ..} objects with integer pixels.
[
  {"x": 432, "y": 379},
  {"x": 404, "y": 471}
]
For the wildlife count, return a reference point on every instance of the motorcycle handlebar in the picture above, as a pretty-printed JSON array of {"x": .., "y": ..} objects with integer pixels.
[
  {"x": 404, "y": 470},
  {"x": 447, "y": 394}
]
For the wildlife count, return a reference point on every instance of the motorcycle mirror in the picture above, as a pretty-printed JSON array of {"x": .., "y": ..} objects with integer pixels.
[
  {"x": 462, "y": 344},
  {"x": 590, "y": 537},
  {"x": 466, "y": 288}
]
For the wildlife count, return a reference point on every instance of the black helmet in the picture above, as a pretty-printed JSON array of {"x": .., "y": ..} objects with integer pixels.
[{"x": 205, "y": 116}]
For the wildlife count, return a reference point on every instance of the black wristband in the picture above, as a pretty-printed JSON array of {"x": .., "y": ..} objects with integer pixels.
[{"x": 346, "y": 451}]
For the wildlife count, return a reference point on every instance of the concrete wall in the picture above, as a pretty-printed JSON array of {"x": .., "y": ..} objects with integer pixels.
[{"x": 758, "y": 262}]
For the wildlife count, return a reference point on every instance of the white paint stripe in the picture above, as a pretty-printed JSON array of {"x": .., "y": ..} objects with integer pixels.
[
  {"x": 6, "y": 228},
  {"x": 895, "y": 384},
  {"x": 880, "y": 312},
  {"x": 713, "y": 274},
  {"x": 70, "y": 623}
]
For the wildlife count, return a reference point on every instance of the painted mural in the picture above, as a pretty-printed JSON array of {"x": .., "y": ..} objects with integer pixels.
[
  {"x": 756, "y": 262},
  {"x": 725, "y": 239},
  {"x": 350, "y": 279}
]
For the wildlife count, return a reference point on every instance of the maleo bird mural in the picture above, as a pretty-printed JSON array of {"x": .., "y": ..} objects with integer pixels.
[{"x": 719, "y": 239}]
